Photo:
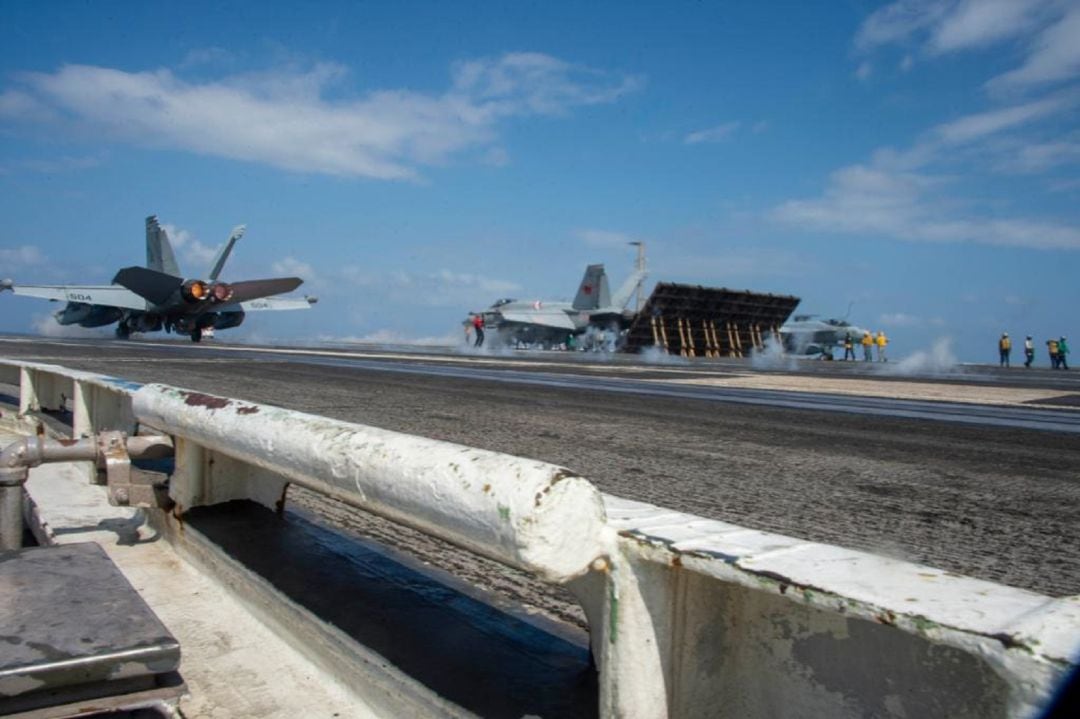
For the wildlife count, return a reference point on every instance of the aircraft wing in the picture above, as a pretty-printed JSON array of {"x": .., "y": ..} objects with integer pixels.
[
  {"x": 278, "y": 303},
  {"x": 105, "y": 295},
  {"x": 249, "y": 290},
  {"x": 553, "y": 318}
]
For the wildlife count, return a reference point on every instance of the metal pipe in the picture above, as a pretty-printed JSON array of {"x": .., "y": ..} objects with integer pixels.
[
  {"x": 11, "y": 508},
  {"x": 11, "y": 519},
  {"x": 149, "y": 446},
  {"x": 18, "y": 457}
]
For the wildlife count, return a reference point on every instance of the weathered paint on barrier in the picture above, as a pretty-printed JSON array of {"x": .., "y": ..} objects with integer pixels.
[
  {"x": 756, "y": 624},
  {"x": 688, "y": 616},
  {"x": 528, "y": 514}
]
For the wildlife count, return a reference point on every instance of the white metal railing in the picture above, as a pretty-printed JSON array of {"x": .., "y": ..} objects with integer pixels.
[{"x": 687, "y": 616}]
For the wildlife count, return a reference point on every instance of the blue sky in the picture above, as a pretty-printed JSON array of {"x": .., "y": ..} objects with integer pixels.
[{"x": 914, "y": 160}]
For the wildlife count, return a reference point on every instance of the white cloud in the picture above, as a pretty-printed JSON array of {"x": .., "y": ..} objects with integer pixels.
[
  {"x": 861, "y": 199},
  {"x": 194, "y": 257},
  {"x": 977, "y": 23},
  {"x": 712, "y": 134},
  {"x": 980, "y": 136},
  {"x": 1044, "y": 156},
  {"x": 1018, "y": 301},
  {"x": 979, "y": 125},
  {"x": 1047, "y": 31},
  {"x": 534, "y": 83},
  {"x": 864, "y": 71},
  {"x": 292, "y": 267},
  {"x": 286, "y": 119},
  {"x": 999, "y": 139},
  {"x": 1054, "y": 56},
  {"x": 897, "y": 22},
  {"x": 19, "y": 257},
  {"x": 950, "y": 25},
  {"x": 24, "y": 106},
  {"x": 903, "y": 193}
]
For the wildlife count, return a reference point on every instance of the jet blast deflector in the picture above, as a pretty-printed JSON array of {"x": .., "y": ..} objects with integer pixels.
[{"x": 696, "y": 321}]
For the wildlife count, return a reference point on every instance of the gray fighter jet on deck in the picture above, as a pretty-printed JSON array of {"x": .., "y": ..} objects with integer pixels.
[
  {"x": 156, "y": 297},
  {"x": 808, "y": 335},
  {"x": 544, "y": 323}
]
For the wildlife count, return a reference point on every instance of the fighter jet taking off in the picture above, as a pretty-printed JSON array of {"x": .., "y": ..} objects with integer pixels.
[
  {"x": 156, "y": 297},
  {"x": 550, "y": 323}
]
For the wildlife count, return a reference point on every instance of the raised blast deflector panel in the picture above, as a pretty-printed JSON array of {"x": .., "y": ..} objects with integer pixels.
[{"x": 692, "y": 320}]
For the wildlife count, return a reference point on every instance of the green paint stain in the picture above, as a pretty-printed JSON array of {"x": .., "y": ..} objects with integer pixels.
[{"x": 922, "y": 624}]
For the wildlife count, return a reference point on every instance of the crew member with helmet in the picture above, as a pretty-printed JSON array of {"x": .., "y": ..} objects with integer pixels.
[
  {"x": 1052, "y": 349},
  {"x": 881, "y": 341},
  {"x": 1004, "y": 349},
  {"x": 867, "y": 346}
]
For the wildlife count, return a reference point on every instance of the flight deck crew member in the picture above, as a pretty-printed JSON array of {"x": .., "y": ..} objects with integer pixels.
[
  {"x": 849, "y": 347},
  {"x": 1029, "y": 351},
  {"x": 1052, "y": 348},
  {"x": 478, "y": 325},
  {"x": 1004, "y": 349},
  {"x": 1063, "y": 349},
  {"x": 867, "y": 343},
  {"x": 880, "y": 341}
]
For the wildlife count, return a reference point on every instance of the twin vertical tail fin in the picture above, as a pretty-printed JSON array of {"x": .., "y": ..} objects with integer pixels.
[
  {"x": 593, "y": 292},
  {"x": 224, "y": 252},
  {"x": 160, "y": 256},
  {"x": 159, "y": 251}
]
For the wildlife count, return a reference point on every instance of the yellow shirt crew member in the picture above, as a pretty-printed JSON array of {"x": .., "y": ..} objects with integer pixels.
[
  {"x": 881, "y": 341},
  {"x": 867, "y": 345}
]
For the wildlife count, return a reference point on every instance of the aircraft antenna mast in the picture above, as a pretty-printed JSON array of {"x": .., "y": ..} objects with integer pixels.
[{"x": 640, "y": 267}]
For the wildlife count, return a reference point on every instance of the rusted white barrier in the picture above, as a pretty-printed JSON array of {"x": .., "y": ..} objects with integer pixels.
[
  {"x": 97, "y": 402},
  {"x": 688, "y": 617},
  {"x": 532, "y": 515},
  {"x": 704, "y": 618}
]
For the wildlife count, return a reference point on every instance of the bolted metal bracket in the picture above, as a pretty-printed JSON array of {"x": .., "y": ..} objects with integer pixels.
[
  {"x": 111, "y": 452},
  {"x": 127, "y": 487}
]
